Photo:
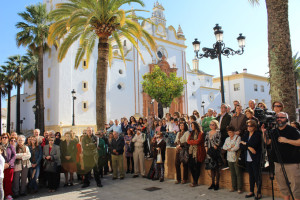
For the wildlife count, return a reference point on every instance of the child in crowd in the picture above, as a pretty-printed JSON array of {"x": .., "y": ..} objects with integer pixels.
[{"x": 231, "y": 145}]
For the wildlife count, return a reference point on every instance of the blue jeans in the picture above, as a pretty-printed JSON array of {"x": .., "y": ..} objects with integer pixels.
[{"x": 33, "y": 177}]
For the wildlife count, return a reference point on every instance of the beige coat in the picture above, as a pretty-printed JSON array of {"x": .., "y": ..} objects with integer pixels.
[{"x": 25, "y": 157}]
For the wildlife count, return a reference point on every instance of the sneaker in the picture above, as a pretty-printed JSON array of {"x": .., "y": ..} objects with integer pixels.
[{"x": 9, "y": 197}]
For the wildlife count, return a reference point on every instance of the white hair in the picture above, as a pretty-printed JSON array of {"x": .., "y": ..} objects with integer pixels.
[
  {"x": 22, "y": 136},
  {"x": 284, "y": 113},
  {"x": 38, "y": 130},
  {"x": 252, "y": 101}
]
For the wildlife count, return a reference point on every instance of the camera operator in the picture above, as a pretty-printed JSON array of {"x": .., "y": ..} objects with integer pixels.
[{"x": 287, "y": 139}]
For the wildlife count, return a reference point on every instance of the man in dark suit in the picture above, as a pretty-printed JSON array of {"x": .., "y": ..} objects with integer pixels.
[
  {"x": 117, "y": 146},
  {"x": 224, "y": 120}
]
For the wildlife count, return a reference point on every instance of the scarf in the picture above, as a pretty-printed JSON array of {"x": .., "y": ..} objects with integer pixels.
[
  {"x": 4, "y": 149},
  {"x": 20, "y": 149},
  {"x": 194, "y": 148}
]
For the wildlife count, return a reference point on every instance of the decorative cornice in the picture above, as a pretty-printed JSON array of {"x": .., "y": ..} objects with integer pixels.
[
  {"x": 209, "y": 88},
  {"x": 240, "y": 76},
  {"x": 169, "y": 42}
]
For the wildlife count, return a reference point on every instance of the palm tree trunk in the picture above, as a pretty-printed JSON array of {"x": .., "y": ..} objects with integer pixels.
[
  {"x": 37, "y": 101},
  {"x": 18, "y": 109},
  {"x": 8, "y": 110},
  {"x": 40, "y": 96},
  {"x": 102, "y": 65},
  {"x": 282, "y": 85}
]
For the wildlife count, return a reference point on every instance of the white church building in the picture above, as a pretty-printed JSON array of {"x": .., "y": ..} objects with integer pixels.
[{"x": 125, "y": 95}]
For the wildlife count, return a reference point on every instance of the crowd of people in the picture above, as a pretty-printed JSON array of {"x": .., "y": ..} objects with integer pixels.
[{"x": 234, "y": 139}]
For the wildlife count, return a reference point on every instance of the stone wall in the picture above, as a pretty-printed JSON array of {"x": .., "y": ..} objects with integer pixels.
[{"x": 225, "y": 179}]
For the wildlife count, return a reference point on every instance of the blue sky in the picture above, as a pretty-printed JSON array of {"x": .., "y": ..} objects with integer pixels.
[{"x": 197, "y": 18}]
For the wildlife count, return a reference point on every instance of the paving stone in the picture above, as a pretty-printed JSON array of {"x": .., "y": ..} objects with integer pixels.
[{"x": 134, "y": 189}]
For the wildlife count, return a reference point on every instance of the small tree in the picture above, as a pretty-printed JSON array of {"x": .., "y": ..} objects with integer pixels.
[{"x": 161, "y": 87}]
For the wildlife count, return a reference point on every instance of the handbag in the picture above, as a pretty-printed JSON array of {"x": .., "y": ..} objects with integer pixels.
[
  {"x": 210, "y": 164},
  {"x": 50, "y": 166},
  {"x": 159, "y": 158},
  {"x": 184, "y": 156},
  {"x": 240, "y": 159},
  {"x": 131, "y": 147}
]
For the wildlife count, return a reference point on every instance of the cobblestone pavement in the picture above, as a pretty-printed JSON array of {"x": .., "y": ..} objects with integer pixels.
[{"x": 134, "y": 189}]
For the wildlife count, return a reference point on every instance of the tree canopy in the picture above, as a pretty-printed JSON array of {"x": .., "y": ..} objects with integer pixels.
[{"x": 161, "y": 87}]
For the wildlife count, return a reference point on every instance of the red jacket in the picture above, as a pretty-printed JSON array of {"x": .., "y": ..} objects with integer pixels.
[{"x": 201, "y": 153}]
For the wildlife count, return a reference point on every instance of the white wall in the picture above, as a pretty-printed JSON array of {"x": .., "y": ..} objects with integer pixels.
[{"x": 246, "y": 91}]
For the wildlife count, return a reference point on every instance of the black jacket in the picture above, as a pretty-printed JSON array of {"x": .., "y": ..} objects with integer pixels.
[
  {"x": 254, "y": 142},
  {"x": 224, "y": 123},
  {"x": 162, "y": 146},
  {"x": 118, "y": 145}
]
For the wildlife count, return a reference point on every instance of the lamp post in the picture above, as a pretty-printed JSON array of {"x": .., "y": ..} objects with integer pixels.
[
  {"x": 34, "y": 109},
  {"x": 73, "y": 116},
  {"x": 219, "y": 49},
  {"x": 21, "y": 123},
  {"x": 202, "y": 105}
]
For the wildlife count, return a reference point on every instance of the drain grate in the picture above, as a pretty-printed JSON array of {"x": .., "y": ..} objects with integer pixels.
[{"x": 151, "y": 189}]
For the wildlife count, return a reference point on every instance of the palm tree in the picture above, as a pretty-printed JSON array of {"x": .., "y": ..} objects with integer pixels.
[
  {"x": 2, "y": 93},
  {"x": 92, "y": 21},
  {"x": 30, "y": 72},
  {"x": 282, "y": 76},
  {"x": 8, "y": 72},
  {"x": 17, "y": 66},
  {"x": 33, "y": 34}
]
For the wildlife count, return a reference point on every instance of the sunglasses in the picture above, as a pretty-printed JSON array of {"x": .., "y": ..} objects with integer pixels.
[
  {"x": 279, "y": 106},
  {"x": 250, "y": 126},
  {"x": 4, "y": 137}
]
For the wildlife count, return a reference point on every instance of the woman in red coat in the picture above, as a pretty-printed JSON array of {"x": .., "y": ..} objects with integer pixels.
[{"x": 196, "y": 151}]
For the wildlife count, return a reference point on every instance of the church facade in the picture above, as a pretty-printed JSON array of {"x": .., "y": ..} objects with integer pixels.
[{"x": 125, "y": 96}]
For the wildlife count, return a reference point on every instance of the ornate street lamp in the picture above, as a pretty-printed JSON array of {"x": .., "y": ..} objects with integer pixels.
[
  {"x": 202, "y": 105},
  {"x": 73, "y": 116},
  {"x": 219, "y": 49},
  {"x": 34, "y": 109}
]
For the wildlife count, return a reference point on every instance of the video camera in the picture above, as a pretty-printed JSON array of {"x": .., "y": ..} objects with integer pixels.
[{"x": 268, "y": 118}]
